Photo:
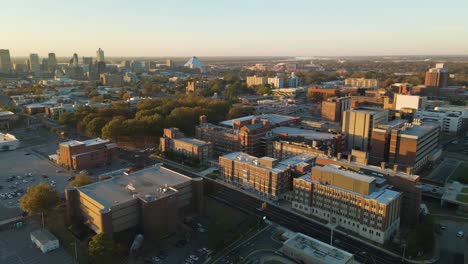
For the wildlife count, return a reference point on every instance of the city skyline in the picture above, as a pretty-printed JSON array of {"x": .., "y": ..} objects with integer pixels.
[{"x": 241, "y": 28}]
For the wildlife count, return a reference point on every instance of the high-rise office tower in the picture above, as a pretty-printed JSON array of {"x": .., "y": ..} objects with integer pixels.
[
  {"x": 45, "y": 65},
  {"x": 75, "y": 60},
  {"x": 169, "y": 63},
  {"x": 437, "y": 77},
  {"x": 52, "y": 62},
  {"x": 358, "y": 124},
  {"x": 34, "y": 65},
  {"x": 100, "y": 55},
  {"x": 5, "y": 61}
]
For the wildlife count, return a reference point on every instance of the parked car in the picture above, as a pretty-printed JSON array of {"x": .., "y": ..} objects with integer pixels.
[{"x": 460, "y": 234}]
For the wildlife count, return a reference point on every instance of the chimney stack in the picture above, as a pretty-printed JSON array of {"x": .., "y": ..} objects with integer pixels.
[{"x": 395, "y": 167}]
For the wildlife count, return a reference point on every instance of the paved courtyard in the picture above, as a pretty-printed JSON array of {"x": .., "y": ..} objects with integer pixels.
[{"x": 16, "y": 248}]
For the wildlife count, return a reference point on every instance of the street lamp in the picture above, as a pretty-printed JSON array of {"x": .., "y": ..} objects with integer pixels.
[
  {"x": 404, "y": 251},
  {"x": 76, "y": 251}
]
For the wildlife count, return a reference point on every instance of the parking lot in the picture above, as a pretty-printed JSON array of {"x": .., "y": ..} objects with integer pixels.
[
  {"x": 20, "y": 169},
  {"x": 452, "y": 247},
  {"x": 16, "y": 248}
]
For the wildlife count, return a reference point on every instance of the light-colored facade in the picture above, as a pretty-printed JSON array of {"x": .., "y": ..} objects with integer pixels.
[
  {"x": 307, "y": 250},
  {"x": 410, "y": 101},
  {"x": 5, "y": 61},
  {"x": 44, "y": 240},
  {"x": 449, "y": 121},
  {"x": 34, "y": 64},
  {"x": 362, "y": 82},
  {"x": 100, "y": 55},
  {"x": 276, "y": 82},
  {"x": 358, "y": 124},
  {"x": 8, "y": 142},
  {"x": 349, "y": 200},
  {"x": 256, "y": 80}
]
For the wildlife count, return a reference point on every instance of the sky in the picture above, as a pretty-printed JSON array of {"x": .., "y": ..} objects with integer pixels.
[{"x": 234, "y": 27}]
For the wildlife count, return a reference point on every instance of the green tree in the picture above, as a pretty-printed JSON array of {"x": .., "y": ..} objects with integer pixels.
[
  {"x": 239, "y": 111},
  {"x": 94, "y": 127},
  {"x": 102, "y": 248},
  {"x": 264, "y": 89},
  {"x": 113, "y": 129},
  {"x": 68, "y": 119},
  {"x": 81, "y": 180},
  {"x": 185, "y": 118},
  {"x": 39, "y": 198}
]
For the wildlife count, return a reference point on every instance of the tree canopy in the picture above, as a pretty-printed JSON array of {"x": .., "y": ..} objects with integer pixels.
[
  {"x": 102, "y": 248},
  {"x": 81, "y": 180},
  {"x": 39, "y": 198}
]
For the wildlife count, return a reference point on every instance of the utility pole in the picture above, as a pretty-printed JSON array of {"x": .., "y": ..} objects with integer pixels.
[{"x": 42, "y": 214}]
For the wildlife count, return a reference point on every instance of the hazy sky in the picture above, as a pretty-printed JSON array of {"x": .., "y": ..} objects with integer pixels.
[{"x": 235, "y": 27}]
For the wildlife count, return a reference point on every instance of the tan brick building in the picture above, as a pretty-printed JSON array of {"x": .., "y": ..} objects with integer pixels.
[
  {"x": 174, "y": 140},
  {"x": 267, "y": 176},
  {"x": 153, "y": 200},
  {"x": 81, "y": 155},
  {"x": 350, "y": 200},
  {"x": 404, "y": 144},
  {"x": 333, "y": 108}
]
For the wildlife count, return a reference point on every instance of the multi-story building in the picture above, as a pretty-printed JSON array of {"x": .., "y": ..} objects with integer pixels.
[
  {"x": 358, "y": 124},
  {"x": 350, "y": 200},
  {"x": 5, "y": 61},
  {"x": 111, "y": 79},
  {"x": 410, "y": 101},
  {"x": 276, "y": 82},
  {"x": 291, "y": 141},
  {"x": 294, "y": 81},
  {"x": 99, "y": 55},
  {"x": 437, "y": 77},
  {"x": 256, "y": 80},
  {"x": 402, "y": 181},
  {"x": 153, "y": 200},
  {"x": 175, "y": 141},
  {"x": 449, "y": 121},
  {"x": 169, "y": 63},
  {"x": 333, "y": 108},
  {"x": 404, "y": 144},
  {"x": 80, "y": 155},
  {"x": 34, "y": 64},
  {"x": 248, "y": 134},
  {"x": 362, "y": 82},
  {"x": 52, "y": 62},
  {"x": 267, "y": 176}
]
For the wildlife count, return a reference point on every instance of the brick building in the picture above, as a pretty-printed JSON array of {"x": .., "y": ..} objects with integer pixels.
[
  {"x": 267, "y": 176},
  {"x": 352, "y": 201},
  {"x": 174, "y": 140},
  {"x": 404, "y": 144},
  {"x": 404, "y": 182},
  {"x": 249, "y": 134},
  {"x": 333, "y": 108},
  {"x": 153, "y": 200},
  {"x": 81, "y": 155}
]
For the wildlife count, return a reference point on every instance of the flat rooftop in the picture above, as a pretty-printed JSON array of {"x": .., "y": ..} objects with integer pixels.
[
  {"x": 297, "y": 159},
  {"x": 193, "y": 141},
  {"x": 43, "y": 236},
  {"x": 88, "y": 142},
  {"x": 307, "y": 134},
  {"x": 148, "y": 184},
  {"x": 318, "y": 250},
  {"x": 254, "y": 161},
  {"x": 416, "y": 131},
  {"x": 344, "y": 172},
  {"x": 272, "y": 118}
]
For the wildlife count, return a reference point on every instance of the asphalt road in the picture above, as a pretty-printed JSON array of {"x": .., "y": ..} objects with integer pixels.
[{"x": 363, "y": 253}]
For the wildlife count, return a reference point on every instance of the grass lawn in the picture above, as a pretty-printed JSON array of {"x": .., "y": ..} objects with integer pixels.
[
  {"x": 226, "y": 224},
  {"x": 462, "y": 198},
  {"x": 464, "y": 190},
  {"x": 461, "y": 173}
]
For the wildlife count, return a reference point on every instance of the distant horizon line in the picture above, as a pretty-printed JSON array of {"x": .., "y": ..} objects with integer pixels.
[{"x": 252, "y": 56}]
